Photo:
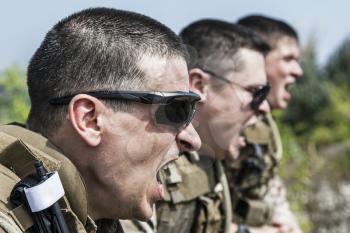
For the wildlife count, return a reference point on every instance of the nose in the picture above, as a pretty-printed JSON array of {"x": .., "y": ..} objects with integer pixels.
[
  {"x": 264, "y": 107},
  {"x": 297, "y": 70},
  {"x": 188, "y": 139}
]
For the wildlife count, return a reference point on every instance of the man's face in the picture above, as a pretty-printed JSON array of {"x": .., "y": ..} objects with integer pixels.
[
  {"x": 282, "y": 69},
  {"x": 229, "y": 107},
  {"x": 135, "y": 147}
]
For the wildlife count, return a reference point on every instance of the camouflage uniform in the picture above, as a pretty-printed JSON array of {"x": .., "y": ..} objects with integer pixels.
[
  {"x": 258, "y": 194},
  {"x": 135, "y": 226},
  {"x": 192, "y": 203},
  {"x": 197, "y": 197},
  {"x": 19, "y": 149}
]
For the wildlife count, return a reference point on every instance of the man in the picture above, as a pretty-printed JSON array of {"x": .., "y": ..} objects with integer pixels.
[
  {"x": 110, "y": 97},
  {"x": 254, "y": 183},
  {"x": 227, "y": 70}
]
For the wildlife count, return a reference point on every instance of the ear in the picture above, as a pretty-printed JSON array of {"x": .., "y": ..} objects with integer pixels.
[
  {"x": 85, "y": 115},
  {"x": 199, "y": 81}
]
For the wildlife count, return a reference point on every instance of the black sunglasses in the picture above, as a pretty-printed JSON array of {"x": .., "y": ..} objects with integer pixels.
[
  {"x": 259, "y": 92},
  {"x": 176, "y": 109}
]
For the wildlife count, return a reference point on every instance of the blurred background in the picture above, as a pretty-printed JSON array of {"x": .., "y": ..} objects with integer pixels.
[{"x": 315, "y": 128}]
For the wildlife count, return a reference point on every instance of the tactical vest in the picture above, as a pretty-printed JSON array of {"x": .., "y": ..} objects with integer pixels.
[
  {"x": 19, "y": 149},
  {"x": 197, "y": 197},
  {"x": 250, "y": 174},
  {"x": 136, "y": 226}
]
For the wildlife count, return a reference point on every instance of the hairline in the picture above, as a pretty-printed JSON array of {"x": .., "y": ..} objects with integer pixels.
[{"x": 275, "y": 38}]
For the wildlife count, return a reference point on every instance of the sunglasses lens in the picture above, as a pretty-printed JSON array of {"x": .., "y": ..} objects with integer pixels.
[
  {"x": 177, "y": 113},
  {"x": 259, "y": 97}
]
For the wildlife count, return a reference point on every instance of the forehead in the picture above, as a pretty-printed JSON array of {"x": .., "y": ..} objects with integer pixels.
[
  {"x": 286, "y": 46},
  {"x": 253, "y": 68},
  {"x": 164, "y": 73}
]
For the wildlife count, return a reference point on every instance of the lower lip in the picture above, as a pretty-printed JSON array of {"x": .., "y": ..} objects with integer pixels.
[
  {"x": 160, "y": 191},
  {"x": 286, "y": 95},
  {"x": 241, "y": 142}
]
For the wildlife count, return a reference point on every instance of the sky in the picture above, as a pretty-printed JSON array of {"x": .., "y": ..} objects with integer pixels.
[{"x": 24, "y": 24}]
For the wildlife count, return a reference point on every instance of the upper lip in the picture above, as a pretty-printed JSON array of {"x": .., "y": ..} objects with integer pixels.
[
  {"x": 173, "y": 158},
  {"x": 248, "y": 122},
  {"x": 289, "y": 83}
]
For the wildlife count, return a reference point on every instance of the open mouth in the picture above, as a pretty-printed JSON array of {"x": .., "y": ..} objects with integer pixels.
[
  {"x": 241, "y": 142},
  {"x": 158, "y": 175},
  {"x": 159, "y": 180},
  {"x": 289, "y": 86}
]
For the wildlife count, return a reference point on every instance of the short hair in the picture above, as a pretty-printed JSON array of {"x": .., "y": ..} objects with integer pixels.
[
  {"x": 268, "y": 28},
  {"x": 94, "y": 49},
  {"x": 211, "y": 41}
]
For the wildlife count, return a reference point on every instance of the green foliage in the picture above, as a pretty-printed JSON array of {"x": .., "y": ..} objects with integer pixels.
[
  {"x": 337, "y": 69},
  {"x": 333, "y": 121},
  {"x": 295, "y": 169},
  {"x": 14, "y": 101}
]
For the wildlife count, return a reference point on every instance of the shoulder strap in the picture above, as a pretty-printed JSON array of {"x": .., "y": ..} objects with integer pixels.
[
  {"x": 227, "y": 205},
  {"x": 276, "y": 136},
  {"x": 19, "y": 216}
]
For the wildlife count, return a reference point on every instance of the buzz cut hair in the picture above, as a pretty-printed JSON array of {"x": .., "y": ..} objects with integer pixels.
[
  {"x": 269, "y": 28},
  {"x": 94, "y": 49},
  {"x": 213, "y": 42}
]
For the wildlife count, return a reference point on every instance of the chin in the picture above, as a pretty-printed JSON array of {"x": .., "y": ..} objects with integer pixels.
[
  {"x": 233, "y": 153},
  {"x": 283, "y": 104},
  {"x": 144, "y": 212},
  {"x": 145, "y": 215}
]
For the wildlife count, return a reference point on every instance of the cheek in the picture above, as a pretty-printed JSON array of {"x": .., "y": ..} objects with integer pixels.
[
  {"x": 282, "y": 70},
  {"x": 227, "y": 123},
  {"x": 148, "y": 147},
  {"x": 226, "y": 102},
  {"x": 231, "y": 109},
  {"x": 144, "y": 155},
  {"x": 275, "y": 71}
]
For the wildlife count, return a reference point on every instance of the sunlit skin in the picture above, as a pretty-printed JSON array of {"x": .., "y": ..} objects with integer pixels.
[
  {"x": 120, "y": 153},
  {"x": 224, "y": 111},
  {"x": 282, "y": 68}
]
